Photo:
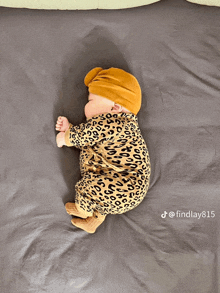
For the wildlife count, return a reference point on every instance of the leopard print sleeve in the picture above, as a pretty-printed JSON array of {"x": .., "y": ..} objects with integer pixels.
[{"x": 94, "y": 130}]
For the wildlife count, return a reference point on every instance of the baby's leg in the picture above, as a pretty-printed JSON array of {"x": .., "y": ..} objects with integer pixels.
[
  {"x": 75, "y": 210},
  {"x": 90, "y": 224}
]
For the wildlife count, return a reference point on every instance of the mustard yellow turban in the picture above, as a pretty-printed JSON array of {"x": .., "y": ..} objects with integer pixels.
[{"x": 116, "y": 85}]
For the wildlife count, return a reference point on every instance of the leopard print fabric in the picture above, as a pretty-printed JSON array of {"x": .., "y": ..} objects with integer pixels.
[{"x": 114, "y": 163}]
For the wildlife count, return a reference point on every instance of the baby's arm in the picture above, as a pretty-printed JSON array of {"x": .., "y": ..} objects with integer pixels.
[{"x": 89, "y": 133}]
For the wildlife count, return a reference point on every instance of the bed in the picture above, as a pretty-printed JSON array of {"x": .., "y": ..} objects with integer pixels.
[{"x": 168, "y": 244}]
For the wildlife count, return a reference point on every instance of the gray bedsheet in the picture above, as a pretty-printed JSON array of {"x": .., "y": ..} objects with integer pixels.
[{"x": 170, "y": 243}]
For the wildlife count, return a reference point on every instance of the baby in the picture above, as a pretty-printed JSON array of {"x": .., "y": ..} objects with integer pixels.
[{"x": 114, "y": 159}]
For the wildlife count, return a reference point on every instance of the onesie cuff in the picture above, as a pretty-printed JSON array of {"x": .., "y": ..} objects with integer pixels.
[{"x": 67, "y": 136}]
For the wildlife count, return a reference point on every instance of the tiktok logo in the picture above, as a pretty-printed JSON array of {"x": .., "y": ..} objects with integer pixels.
[{"x": 164, "y": 214}]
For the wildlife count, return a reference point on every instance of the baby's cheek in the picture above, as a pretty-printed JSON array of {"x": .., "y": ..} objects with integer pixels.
[
  {"x": 88, "y": 109},
  {"x": 87, "y": 105}
]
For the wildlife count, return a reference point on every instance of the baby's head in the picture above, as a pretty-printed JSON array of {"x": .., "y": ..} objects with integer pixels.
[{"x": 112, "y": 90}]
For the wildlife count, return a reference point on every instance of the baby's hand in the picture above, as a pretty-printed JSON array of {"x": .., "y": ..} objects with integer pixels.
[
  {"x": 60, "y": 139},
  {"x": 62, "y": 124}
]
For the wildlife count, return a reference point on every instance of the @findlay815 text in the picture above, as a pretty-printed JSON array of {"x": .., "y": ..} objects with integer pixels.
[{"x": 188, "y": 214}]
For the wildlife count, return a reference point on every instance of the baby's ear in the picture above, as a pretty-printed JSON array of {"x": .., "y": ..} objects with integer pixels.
[{"x": 117, "y": 108}]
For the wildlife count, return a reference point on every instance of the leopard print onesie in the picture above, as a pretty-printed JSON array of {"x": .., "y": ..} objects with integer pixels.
[{"x": 114, "y": 163}]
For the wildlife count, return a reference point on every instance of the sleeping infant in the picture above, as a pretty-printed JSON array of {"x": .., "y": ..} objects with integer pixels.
[{"x": 114, "y": 159}]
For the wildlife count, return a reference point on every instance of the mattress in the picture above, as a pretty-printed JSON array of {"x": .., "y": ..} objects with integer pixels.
[{"x": 170, "y": 242}]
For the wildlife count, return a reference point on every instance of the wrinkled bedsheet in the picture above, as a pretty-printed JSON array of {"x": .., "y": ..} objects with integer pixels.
[{"x": 170, "y": 243}]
